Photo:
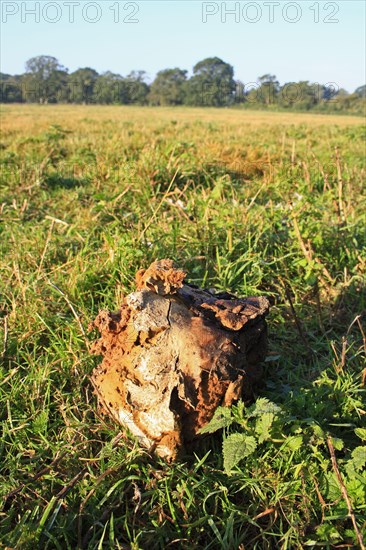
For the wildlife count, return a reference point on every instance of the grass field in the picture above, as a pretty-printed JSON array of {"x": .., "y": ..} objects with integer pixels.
[{"x": 255, "y": 203}]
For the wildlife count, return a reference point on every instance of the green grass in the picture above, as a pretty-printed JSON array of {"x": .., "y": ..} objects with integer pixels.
[{"x": 255, "y": 203}]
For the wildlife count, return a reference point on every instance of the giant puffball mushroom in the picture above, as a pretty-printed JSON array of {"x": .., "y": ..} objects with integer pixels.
[{"x": 173, "y": 353}]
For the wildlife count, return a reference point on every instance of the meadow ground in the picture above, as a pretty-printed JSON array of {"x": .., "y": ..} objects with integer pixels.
[{"x": 255, "y": 203}]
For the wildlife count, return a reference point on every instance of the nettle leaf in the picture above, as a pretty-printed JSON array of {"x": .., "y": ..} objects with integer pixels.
[
  {"x": 318, "y": 432},
  {"x": 337, "y": 443},
  {"x": 235, "y": 448},
  {"x": 357, "y": 491},
  {"x": 330, "y": 489},
  {"x": 239, "y": 409},
  {"x": 350, "y": 469},
  {"x": 310, "y": 277},
  {"x": 359, "y": 457},
  {"x": 294, "y": 443},
  {"x": 361, "y": 433},
  {"x": 262, "y": 406},
  {"x": 263, "y": 426},
  {"x": 221, "y": 419}
]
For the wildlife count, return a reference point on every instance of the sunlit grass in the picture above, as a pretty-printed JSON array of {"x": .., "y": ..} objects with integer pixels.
[{"x": 255, "y": 203}]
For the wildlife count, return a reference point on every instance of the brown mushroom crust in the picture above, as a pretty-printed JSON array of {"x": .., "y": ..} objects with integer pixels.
[{"x": 174, "y": 353}]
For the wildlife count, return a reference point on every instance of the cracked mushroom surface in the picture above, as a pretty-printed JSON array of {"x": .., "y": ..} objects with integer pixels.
[{"x": 173, "y": 353}]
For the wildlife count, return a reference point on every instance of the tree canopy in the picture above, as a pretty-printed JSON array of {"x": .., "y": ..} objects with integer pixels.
[
  {"x": 212, "y": 84},
  {"x": 168, "y": 87}
]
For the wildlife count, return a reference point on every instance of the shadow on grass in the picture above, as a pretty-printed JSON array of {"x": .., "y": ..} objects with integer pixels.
[
  {"x": 57, "y": 181},
  {"x": 319, "y": 374},
  {"x": 237, "y": 173},
  {"x": 206, "y": 177}
]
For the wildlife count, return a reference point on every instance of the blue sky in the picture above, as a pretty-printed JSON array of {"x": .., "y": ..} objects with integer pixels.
[{"x": 320, "y": 41}]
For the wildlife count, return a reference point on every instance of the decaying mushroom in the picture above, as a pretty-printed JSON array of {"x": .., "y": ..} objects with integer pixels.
[{"x": 174, "y": 353}]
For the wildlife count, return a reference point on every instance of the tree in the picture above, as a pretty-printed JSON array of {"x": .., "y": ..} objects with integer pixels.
[
  {"x": 268, "y": 89},
  {"x": 81, "y": 85},
  {"x": 138, "y": 88},
  {"x": 342, "y": 92},
  {"x": 301, "y": 95},
  {"x": 10, "y": 89},
  {"x": 168, "y": 87},
  {"x": 239, "y": 92},
  {"x": 110, "y": 88},
  {"x": 330, "y": 92},
  {"x": 361, "y": 91},
  {"x": 43, "y": 66},
  {"x": 44, "y": 78},
  {"x": 212, "y": 83}
]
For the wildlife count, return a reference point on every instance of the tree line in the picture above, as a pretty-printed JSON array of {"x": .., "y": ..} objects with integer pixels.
[{"x": 212, "y": 84}]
